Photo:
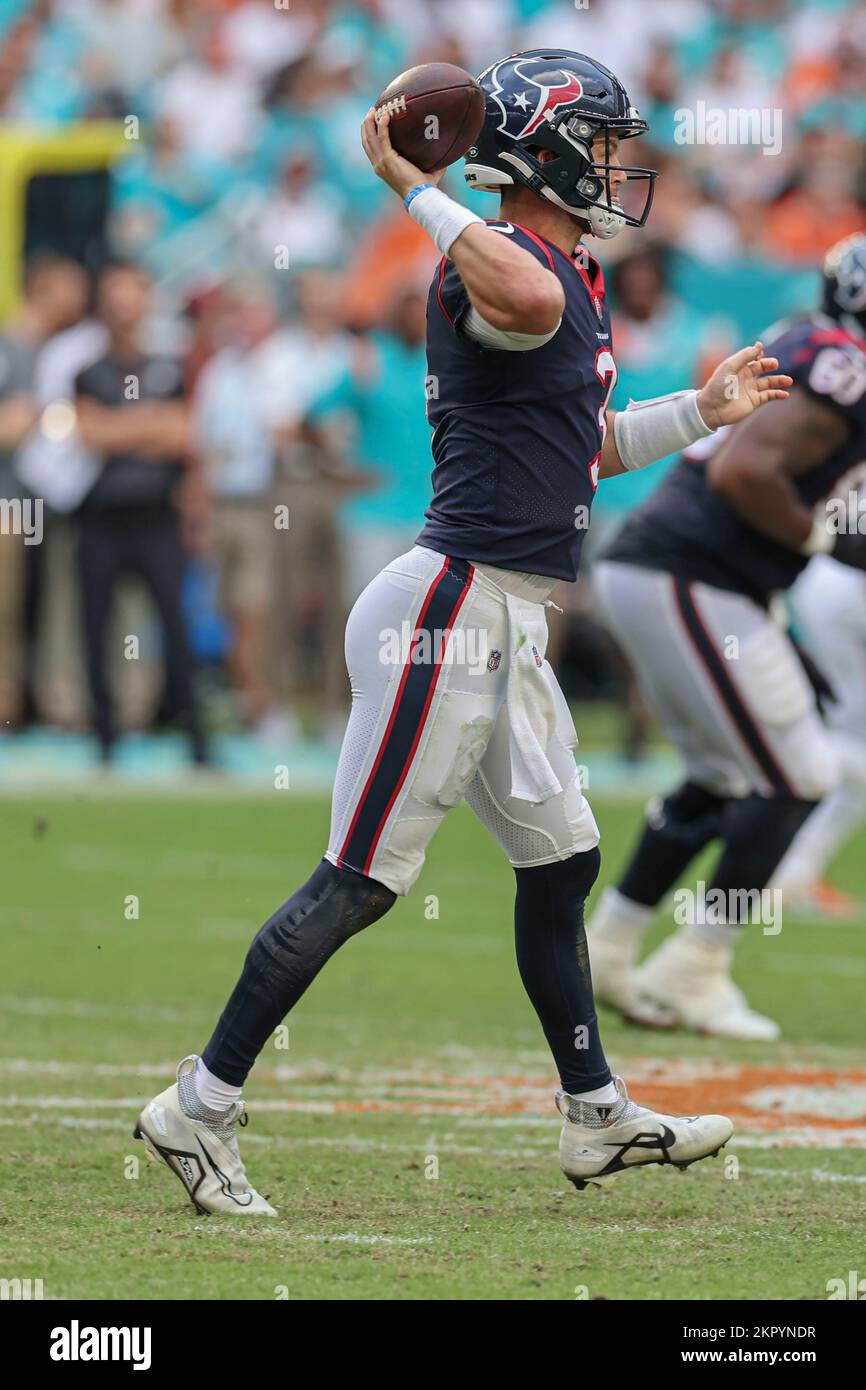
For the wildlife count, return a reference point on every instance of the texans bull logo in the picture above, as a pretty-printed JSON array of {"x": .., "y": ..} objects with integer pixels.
[{"x": 551, "y": 97}]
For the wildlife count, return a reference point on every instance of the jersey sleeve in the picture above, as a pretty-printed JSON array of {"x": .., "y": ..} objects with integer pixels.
[
  {"x": 829, "y": 364},
  {"x": 454, "y": 302}
]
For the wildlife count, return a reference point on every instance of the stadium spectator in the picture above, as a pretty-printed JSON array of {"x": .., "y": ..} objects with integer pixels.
[
  {"x": 305, "y": 358},
  {"x": 234, "y": 436},
  {"x": 261, "y": 37},
  {"x": 213, "y": 104},
  {"x": 55, "y": 294},
  {"x": 382, "y": 394},
  {"x": 303, "y": 216},
  {"x": 823, "y": 205},
  {"x": 131, "y": 411},
  {"x": 157, "y": 193}
]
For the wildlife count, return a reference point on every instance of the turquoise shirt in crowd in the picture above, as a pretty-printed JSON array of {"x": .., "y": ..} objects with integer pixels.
[{"x": 387, "y": 405}]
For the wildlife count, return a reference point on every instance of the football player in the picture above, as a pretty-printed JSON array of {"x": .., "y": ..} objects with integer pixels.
[
  {"x": 686, "y": 588},
  {"x": 520, "y": 372},
  {"x": 828, "y": 602}
]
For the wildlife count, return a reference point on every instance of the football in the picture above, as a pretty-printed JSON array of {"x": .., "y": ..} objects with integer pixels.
[{"x": 436, "y": 110}]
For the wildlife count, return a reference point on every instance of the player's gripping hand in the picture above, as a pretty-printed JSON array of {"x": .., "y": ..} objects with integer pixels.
[
  {"x": 738, "y": 386},
  {"x": 388, "y": 165}
]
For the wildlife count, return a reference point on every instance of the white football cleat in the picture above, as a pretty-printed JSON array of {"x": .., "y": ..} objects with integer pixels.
[
  {"x": 200, "y": 1146},
  {"x": 631, "y": 1137},
  {"x": 690, "y": 977},
  {"x": 613, "y": 935}
]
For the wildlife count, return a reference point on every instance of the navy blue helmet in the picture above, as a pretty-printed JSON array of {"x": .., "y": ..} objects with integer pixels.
[
  {"x": 556, "y": 100},
  {"x": 844, "y": 277}
]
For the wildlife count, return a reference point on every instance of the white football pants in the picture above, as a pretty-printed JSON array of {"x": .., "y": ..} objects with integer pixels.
[{"x": 451, "y": 699}]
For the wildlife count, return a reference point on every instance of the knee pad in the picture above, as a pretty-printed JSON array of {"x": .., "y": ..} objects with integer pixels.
[
  {"x": 332, "y": 906},
  {"x": 818, "y": 769}
]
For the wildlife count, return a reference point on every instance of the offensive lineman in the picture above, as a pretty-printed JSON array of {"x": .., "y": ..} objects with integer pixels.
[
  {"x": 829, "y": 605},
  {"x": 519, "y": 347},
  {"x": 686, "y": 587}
]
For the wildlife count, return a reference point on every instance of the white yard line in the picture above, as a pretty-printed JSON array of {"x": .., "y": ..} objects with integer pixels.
[
  {"x": 53, "y": 1109},
  {"x": 89, "y": 1008},
  {"x": 545, "y": 1148}
]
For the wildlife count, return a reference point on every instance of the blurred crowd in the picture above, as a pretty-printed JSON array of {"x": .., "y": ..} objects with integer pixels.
[{"x": 244, "y": 341}]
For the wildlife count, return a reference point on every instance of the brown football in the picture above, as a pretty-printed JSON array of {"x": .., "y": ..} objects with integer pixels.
[{"x": 437, "y": 111}]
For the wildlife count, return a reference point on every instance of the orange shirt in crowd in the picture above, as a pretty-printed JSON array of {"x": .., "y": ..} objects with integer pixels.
[{"x": 799, "y": 228}]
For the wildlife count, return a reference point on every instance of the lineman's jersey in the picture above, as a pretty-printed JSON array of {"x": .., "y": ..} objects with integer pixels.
[
  {"x": 517, "y": 435},
  {"x": 688, "y": 530}
]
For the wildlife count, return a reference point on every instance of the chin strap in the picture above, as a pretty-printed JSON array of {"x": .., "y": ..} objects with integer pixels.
[{"x": 604, "y": 224}]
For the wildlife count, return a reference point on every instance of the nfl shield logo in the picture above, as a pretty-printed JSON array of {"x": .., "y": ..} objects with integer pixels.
[
  {"x": 493, "y": 661},
  {"x": 535, "y": 654}
]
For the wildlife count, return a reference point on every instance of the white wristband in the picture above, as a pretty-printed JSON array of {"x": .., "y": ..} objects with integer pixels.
[
  {"x": 650, "y": 430},
  {"x": 439, "y": 215}
]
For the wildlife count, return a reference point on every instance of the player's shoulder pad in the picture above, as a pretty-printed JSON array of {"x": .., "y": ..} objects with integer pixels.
[{"x": 827, "y": 360}]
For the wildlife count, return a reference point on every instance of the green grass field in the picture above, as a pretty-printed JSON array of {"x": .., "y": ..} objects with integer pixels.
[{"x": 407, "y": 1135}]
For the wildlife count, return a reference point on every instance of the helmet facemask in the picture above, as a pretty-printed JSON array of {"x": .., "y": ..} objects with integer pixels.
[{"x": 587, "y": 192}]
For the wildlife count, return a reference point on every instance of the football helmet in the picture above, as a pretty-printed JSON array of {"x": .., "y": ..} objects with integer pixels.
[
  {"x": 844, "y": 282},
  {"x": 556, "y": 100}
]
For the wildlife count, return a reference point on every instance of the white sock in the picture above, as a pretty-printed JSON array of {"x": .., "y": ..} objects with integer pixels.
[
  {"x": 616, "y": 915},
  {"x": 713, "y": 933},
  {"x": 603, "y": 1095},
  {"x": 216, "y": 1094}
]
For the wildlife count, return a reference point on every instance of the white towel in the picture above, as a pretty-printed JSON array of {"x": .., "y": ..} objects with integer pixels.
[{"x": 532, "y": 709}]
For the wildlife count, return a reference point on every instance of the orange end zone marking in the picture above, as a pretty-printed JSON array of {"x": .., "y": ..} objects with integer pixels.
[{"x": 738, "y": 1090}]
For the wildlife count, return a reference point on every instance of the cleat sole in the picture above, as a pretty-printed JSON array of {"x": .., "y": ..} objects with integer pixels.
[
  {"x": 603, "y": 1181},
  {"x": 608, "y": 1179}
]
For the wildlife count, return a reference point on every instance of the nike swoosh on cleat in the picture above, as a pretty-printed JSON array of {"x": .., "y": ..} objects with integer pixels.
[
  {"x": 246, "y": 1197},
  {"x": 663, "y": 1141}
]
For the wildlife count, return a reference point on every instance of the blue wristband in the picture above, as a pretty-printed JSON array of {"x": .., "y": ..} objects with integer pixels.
[{"x": 413, "y": 194}]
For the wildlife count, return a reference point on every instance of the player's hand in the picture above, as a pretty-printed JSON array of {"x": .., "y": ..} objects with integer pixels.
[
  {"x": 738, "y": 386},
  {"x": 388, "y": 165}
]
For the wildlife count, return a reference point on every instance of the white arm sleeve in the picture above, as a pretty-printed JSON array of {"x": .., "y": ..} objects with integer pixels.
[
  {"x": 650, "y": 430},
  {"x": 474, "y": 326}
]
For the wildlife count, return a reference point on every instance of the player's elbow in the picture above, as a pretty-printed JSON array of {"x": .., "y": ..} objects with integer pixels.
[
  {"x": 535, "y": 307},
  {"x": 734, "y": 480}
]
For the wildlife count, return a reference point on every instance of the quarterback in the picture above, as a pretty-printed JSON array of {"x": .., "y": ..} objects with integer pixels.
[{"x": 521, "y": 360}]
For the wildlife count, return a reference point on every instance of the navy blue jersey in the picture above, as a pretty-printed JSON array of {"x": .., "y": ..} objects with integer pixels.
[
  {"x": 687, "y": 529},
  {"x": 517, "y": 435}
]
